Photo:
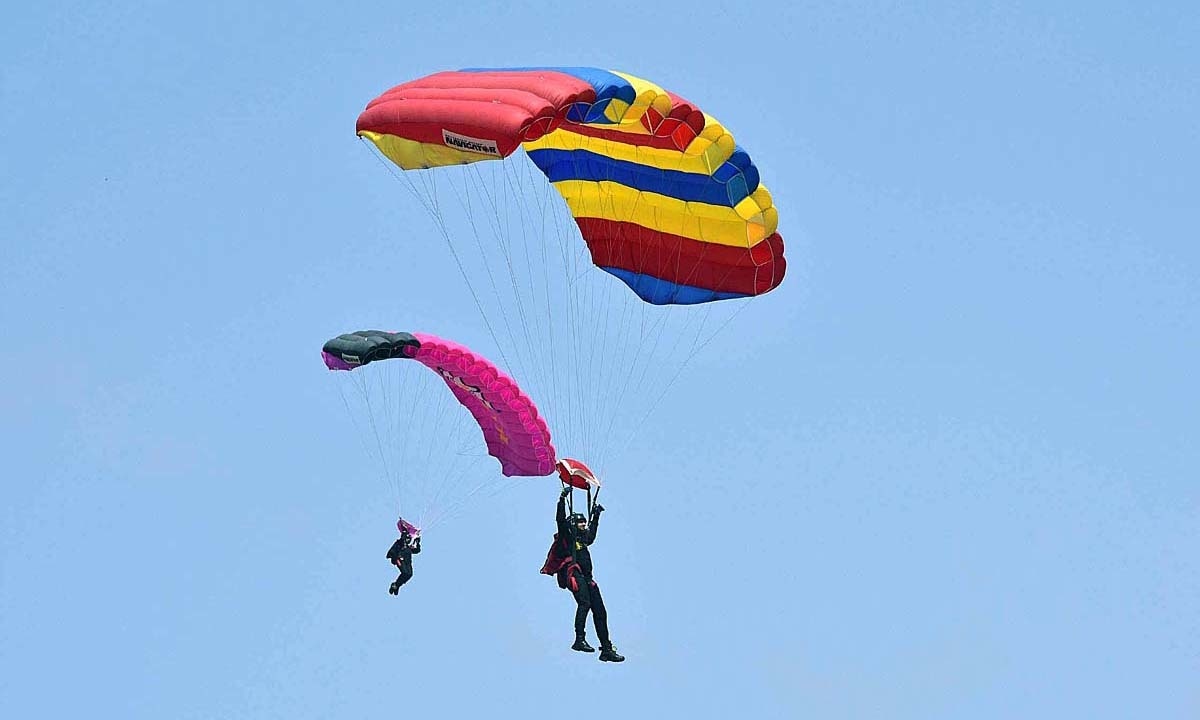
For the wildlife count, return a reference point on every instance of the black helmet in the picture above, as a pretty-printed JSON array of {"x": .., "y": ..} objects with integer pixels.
[{"x": 576, "y": 518}]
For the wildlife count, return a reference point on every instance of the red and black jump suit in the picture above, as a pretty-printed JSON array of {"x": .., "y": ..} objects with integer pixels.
[{"x": 576, "y": 574}]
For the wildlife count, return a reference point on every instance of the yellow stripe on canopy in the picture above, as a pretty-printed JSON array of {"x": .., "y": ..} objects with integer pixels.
[
  {"x": 752, "y": 220},
  {"x": 709, "y": 154},
  {"x": 414, "y": 155}
]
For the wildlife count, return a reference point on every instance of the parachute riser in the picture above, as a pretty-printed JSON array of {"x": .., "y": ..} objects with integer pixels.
[{"x": 592, "y": 498}]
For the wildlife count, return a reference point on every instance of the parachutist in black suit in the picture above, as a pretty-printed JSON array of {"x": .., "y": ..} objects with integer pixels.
[
  {"x": 571, "y": 561},
  {"x": 401, "y": 554}
]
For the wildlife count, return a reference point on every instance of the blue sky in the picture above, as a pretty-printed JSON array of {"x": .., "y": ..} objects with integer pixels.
[{"x": 947, "y": 470}]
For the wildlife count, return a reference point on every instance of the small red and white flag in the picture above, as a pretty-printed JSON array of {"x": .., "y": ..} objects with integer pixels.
[{"x": 576, "y": 474}]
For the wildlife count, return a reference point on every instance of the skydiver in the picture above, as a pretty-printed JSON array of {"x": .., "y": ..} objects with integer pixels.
[
  {"x": 401, "y": 554},
  {"x": 571, "y": 562}
]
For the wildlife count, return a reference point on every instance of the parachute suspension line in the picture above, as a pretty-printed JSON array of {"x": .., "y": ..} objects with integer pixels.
[
  {"x": 364, "y": 391},
  {"x": 608, "y": 396},
  {"x": 448, "y": 476},
  {"x": 519, "y": 363},
  {"x": 396, "y": 404},
  {"x": 568, "y": 347},
  {"x": 679, "y": 371},
  {"x": 556, "y": 388},
  {"x": 504, "y": 242},
  {"x": 649, "y": 330},
  {"x": 572, "y": 347},
  {"x": 463, "y": 465},
  {"x": 553, "y": 391},
  {"x": 617, "y": 372},
  {"x": 361, "y": 385},
  {"x": 646, "y": 343},
  {"x": 621, "y": 374},
  {"x": 540, "y": 332},
  {"x": 580, "y": 353},
  {"x": 440, "y": 223},
  {"x": 607, "y": 368},
  {"x": 591, "y": 349},
  {"x": 508, "y": 170},
  {"x": 440, "y": 435},
  {"x": 454, "y": 476},
  {"x": 673, "y": 352},
  {"x": 451, "y": 474},
  {"x": 407, "y": 475},
  {"x": 420, "y": 398},
  {"x": 361, "y": 436},
  {"x": 494, "y": 488},
  {"x": 587, "y": 351}
]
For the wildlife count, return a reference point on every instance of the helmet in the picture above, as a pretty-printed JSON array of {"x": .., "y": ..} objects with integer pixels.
[{"x": 576, "y": 518}]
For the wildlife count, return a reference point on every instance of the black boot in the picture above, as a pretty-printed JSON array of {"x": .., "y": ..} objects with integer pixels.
[
  {"x": 608, "y": 653},
  {"x": 394, "y": 588},
  {"x": 581, "y": 644}
]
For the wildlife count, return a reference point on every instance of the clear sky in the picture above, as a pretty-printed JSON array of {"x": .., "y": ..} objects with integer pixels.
[{"x": 947, "y": 470}]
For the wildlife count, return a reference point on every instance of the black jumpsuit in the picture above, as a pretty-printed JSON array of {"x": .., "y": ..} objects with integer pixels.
[
  {"x": 401, "y": 554},
  {"x": 583, "y": 587}
]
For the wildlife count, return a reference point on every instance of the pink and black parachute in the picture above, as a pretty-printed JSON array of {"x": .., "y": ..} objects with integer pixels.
[{"x": 514, "y": 432}]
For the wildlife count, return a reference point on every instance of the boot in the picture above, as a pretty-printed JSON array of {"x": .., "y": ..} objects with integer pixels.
[
  {"x": 581, "y": 644},
  {"x": 608, "y": 653},
  {"x": 394, "y": 588}
]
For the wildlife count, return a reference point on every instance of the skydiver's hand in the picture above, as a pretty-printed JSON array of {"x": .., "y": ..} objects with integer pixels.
[
  {"x": 566, "y": 491},
  {"x": 597, "y": 509}
]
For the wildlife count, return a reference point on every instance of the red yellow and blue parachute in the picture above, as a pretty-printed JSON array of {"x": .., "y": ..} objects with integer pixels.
[{"x": 663, "y": 196}]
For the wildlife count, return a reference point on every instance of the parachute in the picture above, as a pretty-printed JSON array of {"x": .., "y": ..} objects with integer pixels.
[
  {"x": 663, "y": 196},
  {"x": 407, "y": 528},
  {"x": 514, "y": 433},
  {"x": 576, "y": 474},
  {"x": 425, "y": 446}
]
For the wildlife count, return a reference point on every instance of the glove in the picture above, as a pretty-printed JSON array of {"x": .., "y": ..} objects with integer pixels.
[
  {"x": 566, "y": 491},
  {"x": 597, "y": 509}
]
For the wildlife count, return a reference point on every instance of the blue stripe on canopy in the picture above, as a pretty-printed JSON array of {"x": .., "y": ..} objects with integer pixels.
[
  {"x": 663, "y": 292},
  {"x": 733, "y": 185}
]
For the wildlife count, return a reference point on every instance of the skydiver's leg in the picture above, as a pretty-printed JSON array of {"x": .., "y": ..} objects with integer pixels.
[
  {"x": 405, "y": 575},
  {"x": 583, "y": 601},
  {"x": 406, "y": 572},
  {"x": 608, "y": 653},
  {"x": 599, "y": 614}
]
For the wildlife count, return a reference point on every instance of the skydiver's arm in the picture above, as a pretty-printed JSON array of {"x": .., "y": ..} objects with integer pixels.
[
  {"x": 592, "y": 527},
  {"x": 416, "y": 547},
  {"x": 561, "y": 516}
]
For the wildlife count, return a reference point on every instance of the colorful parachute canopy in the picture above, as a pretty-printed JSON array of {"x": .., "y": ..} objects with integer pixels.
[
  {"x": 514, "y": 432},
  {"x": 663, "y": 196},
  {"x": 576, "y": 474}
]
